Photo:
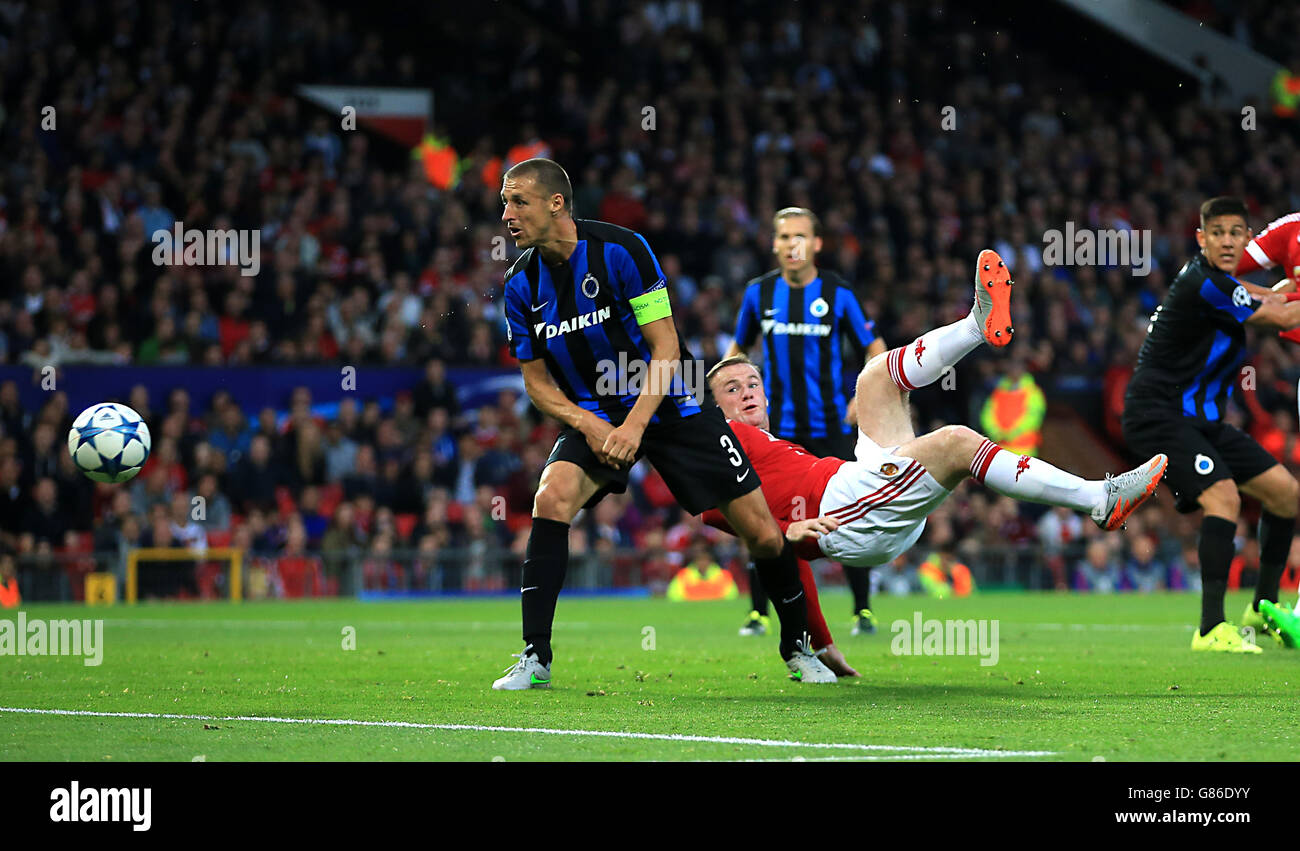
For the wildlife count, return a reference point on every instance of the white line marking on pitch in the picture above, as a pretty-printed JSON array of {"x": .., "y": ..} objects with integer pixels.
[
  {"x": 1108, "y": 627},
  {"x": 167, "y": 623},
  {"x": 862, "y": 758},
  {"x": 611, "y": 734}
]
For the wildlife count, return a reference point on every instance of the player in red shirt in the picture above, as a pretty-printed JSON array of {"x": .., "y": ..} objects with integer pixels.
[
  {"x": 1277, "y": 245},
  {"x": 870, "y": 511}
]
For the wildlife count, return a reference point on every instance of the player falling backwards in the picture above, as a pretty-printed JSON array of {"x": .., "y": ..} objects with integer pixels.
[
  {"x": 586, "y": 303},
  {"x": 1175, "y": 403},
  {"x": 874, "y": 509},
  {"x": 801, "y": 313}
]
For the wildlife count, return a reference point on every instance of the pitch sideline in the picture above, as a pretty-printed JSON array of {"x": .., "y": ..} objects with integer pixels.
[{"x": 920, "y": 750}]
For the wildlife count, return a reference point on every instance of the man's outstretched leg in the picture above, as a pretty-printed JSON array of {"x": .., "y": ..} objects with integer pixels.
[
  {"x": 565, "y": 487},
  {"x": 887, "y": 379},
  {"x": 954, "y": 453}
]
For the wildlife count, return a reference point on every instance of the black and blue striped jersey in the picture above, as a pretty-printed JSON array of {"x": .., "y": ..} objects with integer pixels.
[
  {"x": 584, "y": 318},
  {"x": 804, "y": 376},
  {"x": 1194, "y": 346}
]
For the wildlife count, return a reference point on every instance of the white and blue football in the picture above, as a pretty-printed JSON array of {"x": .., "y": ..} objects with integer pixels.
[{"x": 109, "y": 442}]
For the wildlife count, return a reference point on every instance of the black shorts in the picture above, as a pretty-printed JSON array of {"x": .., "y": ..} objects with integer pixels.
[
  {"x": 1200, "y": 453},
  {"x": 835, "y": 446},
  {"x": 698, "y": 456}
]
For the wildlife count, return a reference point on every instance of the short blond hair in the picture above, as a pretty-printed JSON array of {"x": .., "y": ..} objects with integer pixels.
[
  {"x": 791, "y": 212},
  {"x": 741, "y": 358}
]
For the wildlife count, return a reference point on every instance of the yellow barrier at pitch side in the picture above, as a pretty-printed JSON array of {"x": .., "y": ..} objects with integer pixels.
[{"x": 101, "y": 589}]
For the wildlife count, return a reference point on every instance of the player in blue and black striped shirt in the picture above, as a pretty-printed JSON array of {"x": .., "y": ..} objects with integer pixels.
[
  {"x": 1176, "y": 402},
  {"x": 589, "y": 317},
  {"x": 802, "y": 314}
]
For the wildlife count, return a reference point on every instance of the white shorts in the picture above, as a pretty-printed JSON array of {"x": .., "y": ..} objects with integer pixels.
[{"x": 881, "y": 501}]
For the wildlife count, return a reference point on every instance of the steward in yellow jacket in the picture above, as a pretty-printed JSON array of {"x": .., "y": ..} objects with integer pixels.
[{"x": 707, "y": 583}]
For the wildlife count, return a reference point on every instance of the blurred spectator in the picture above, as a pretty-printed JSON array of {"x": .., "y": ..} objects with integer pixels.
[
  {"x": 232, "y": 438},
  {"x": 1059, "y": 533},
  {"x": 309, "y": 456},
  {"x": 1098, "y": 571},
  {"x": 364, "y": 478},
  {"x": 13, "y": 502},
  {"x": 340, "y": 453},
  {"x": 44, "y": 521},
  {"x": 435, "y": 392},
  {"x": 1144, "y": 572},
  {"x": 10, "y": 598},
  {"x": 941, "y": 575},
  {"x": 255, "y": 478},
  {"x": 217, "y": 511},
  {"x": 185, "y": 530},
  {"x": 298, "y": 573},
  {"x": 313, "y": 522},
  {"x": 380, "y": 571},
  {"x": 342, "y": 542},
  {"x": 150, "y": 489}
]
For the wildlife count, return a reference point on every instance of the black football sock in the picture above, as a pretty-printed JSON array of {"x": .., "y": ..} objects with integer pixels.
[
  {"x": 545, "y": 562},
  {"x": 1215, "y": 551},
  {"x": 860, "y": 581},
  {"x": 780, "y": 576},
  {"x": 1274, "y": 548},
  {"x": 756, "y": 592}
]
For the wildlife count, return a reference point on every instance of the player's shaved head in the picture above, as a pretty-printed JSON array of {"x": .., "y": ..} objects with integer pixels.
[{"x": 551, "y": 179}]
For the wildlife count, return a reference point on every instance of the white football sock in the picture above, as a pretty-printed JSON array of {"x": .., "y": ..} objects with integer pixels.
[
  {"x": 922, "y": 361},
  {"x": 1032, "y": 480}
]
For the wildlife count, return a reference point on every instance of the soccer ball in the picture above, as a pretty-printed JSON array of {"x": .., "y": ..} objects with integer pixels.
[{"x": 109, "y": 442}]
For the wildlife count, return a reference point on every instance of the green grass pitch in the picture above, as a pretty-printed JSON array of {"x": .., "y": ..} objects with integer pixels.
[{"x": 1077, "y": 678}]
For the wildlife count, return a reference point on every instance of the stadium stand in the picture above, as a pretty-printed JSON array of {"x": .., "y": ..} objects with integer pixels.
[{"x": 188, "y": 114}]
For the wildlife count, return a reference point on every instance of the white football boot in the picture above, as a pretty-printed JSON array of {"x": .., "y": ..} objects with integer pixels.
[
  {"x": 527, "y": 673},
  {"x": 806, "y": 667}
]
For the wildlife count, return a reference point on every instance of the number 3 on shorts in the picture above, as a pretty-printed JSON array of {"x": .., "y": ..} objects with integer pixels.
[{"x": 732, "y": 453}]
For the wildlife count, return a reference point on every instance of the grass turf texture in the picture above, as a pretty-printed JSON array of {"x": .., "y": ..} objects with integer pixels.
[{"x": 1082, "y": 677}]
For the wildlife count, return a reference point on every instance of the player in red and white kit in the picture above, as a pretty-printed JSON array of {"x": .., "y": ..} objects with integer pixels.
[
  {"x": 1274, "y": 246},
  {"x": 869, "y": 511},
  {"x": 1277, "y": 245}
]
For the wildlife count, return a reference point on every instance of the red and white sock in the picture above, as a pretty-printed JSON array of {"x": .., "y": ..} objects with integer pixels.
[
  {"x": 1031, "y": 480},
  {"x": 922, "y": 361}
]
